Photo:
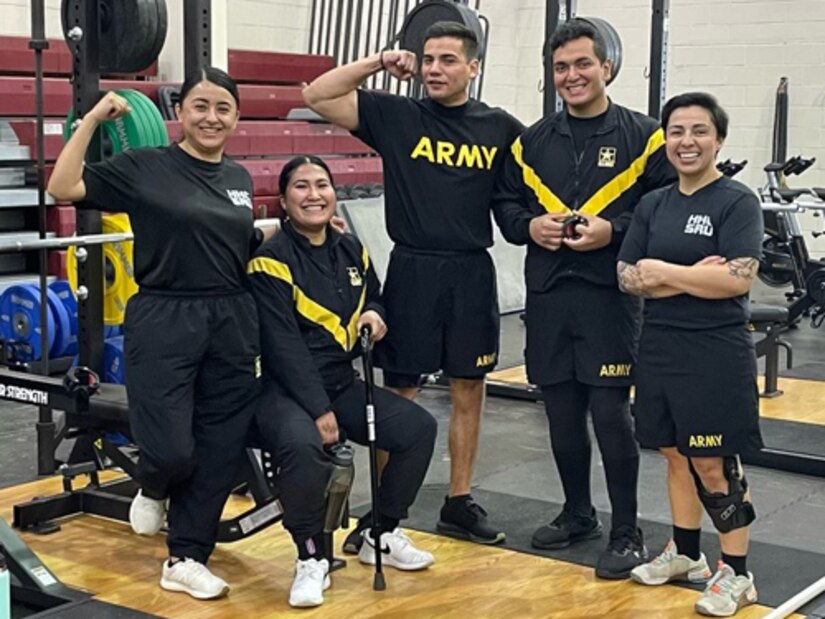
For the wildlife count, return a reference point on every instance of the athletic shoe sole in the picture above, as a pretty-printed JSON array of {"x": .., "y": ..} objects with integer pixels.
[
  {"x": 387, "y": 561},
  {"x": 709, "y": 612},
  {"x": 311, "y": 602},
  {"x": 573, "y": 539},
  {"x": 459, "y": 532},
  {"x": 655, "y": 582},
  {"x": 171, "y": 585}
]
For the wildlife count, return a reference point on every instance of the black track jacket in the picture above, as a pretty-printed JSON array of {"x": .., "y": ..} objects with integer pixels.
[
  {"x": 622, "y": 161},
  {"x": 308, "y": 312}
]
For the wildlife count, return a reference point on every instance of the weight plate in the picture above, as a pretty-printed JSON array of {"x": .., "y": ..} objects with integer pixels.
[
  {"x": 62, "y": 324},
  {"x": 20, "y": 317},
  {"x": 113, "y": 361},
  {"x": 65, "y": 293}
]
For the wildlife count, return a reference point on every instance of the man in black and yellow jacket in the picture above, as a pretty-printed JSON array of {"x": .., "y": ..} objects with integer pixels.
[
  {"x": 315, "y": 288},
  {"x": 568, "y": 191}
]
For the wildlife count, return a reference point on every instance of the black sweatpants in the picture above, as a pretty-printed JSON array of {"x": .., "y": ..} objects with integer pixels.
[
  {"x": 192, "y": 378},
  {"x": 402, "y": 428}
]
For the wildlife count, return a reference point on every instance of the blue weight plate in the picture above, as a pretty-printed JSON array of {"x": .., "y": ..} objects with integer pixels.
[
  {"x": 62, "y": 325},
  {"x": 110, "y": 331},
  {"x": 113, "y": 361},
  {"x": 20, "y": 314},
  {"x": 64, "y": 292}
]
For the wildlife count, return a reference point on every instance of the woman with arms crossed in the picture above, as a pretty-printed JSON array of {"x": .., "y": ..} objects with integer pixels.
[{"x": 692, "y": 252}]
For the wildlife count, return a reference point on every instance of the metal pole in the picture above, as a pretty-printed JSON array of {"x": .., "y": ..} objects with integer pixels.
[
  {"x": 197, "y": 35},
  {"x": 657, "y": 88},
  {"x": 38, "y": 44},
  {"x": 556, "y": 13},
  {"x": 46, "y": 428}
]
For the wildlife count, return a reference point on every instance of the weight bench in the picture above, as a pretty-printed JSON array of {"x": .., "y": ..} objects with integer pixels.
[
  {"x": 772, "y": 320},
  {"x": 102, "y": 432}
]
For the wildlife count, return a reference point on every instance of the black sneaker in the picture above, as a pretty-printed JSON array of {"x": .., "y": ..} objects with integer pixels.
[
  {"x": 463, "y": 518},
  {"x": 355, "y": 539},
  {"x": 625, "y": 551},
  {"x": 566, "y": 529}
]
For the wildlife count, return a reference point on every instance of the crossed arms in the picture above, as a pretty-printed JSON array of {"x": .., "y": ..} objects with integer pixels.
[{"x": 710, "y": 278}]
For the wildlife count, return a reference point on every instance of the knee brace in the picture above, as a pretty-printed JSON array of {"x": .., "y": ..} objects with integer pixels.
[
  {"x": 339, "y": 484},
  {"x": 727, "y": 511}
]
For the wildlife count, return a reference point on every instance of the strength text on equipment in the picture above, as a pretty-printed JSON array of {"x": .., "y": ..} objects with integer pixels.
[{"x": 24, "y": 395}]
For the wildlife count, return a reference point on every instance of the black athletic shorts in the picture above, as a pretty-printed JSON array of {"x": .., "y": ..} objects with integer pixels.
[
  {"x": 441, "y": 313},
  {"x": 581, "y": 331},
  {"x": 696, "y": 390}
]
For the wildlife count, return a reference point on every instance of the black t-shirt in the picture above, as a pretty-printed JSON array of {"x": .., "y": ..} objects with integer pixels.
[
  {"x": 440, "y": 165},
  {"x": 192, "y": 219},
  {"x": 583, "y": 129},
  {"x": 723, "y": 218}
]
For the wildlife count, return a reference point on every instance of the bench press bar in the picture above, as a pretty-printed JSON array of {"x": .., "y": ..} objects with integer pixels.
[{"x": 95, "y": 239}]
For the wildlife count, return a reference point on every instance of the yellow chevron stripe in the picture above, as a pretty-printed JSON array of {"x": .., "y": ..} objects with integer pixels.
[
  {"x": 270, "y": 267},
  {"x": 309, "y": 309},
  {"x": 546, "y": 198},
  {"x": 624, "y": 181}
]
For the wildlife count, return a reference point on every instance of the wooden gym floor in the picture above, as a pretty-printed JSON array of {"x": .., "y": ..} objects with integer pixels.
[{"x": 468, "y": 580}]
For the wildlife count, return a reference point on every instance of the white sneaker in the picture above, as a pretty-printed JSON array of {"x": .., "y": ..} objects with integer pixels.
[
  {"x": 193, "y": 578},
  {"x": 398, "y": 551},
  {"x": 147, "y": 515},
  {"x": 670, "y": 566},
  {"x": 311, "y": 580},
  {"x": 726, "y": 593}
]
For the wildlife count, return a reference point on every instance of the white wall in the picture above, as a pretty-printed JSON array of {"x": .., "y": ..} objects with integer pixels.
[
  {"x": 269, "y": 25},
  {"x": 15, "y": 18}
]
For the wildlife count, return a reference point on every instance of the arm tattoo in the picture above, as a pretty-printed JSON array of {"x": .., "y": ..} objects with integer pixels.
[
  {"x": 629, "y": 280},
  {"x": 743, "y": 268}
]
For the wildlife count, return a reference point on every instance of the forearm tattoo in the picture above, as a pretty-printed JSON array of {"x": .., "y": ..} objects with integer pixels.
[
  {"x": 630, "y": 281},
  {"x": 743, "y": 268}
]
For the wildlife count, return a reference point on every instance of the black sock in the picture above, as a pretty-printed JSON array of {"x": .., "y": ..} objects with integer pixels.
[
  {"x": 459, "y": 498},
  {"x": 574, "y": 470},
  {"x": 310, "y": 547},
  {"x": 687, "y": 541},
  {"x": 388, "y": 524},
  {"x": 739, "y": 564},
  {"x": 622, "y": 476}
]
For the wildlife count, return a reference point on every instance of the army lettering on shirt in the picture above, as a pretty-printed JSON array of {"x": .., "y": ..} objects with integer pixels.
[{"x": 440, "y": 166}]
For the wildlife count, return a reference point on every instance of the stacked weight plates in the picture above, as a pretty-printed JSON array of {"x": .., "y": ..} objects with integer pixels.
[
  {"x": 21, "y": 325},
  {"x": 119, "y": 277},
  {"x": 143, "y": 127}
]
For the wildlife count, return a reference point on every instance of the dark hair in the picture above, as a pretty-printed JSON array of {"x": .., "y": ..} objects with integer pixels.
[
  {"x": 457, "y": 30},
  {"x": 718, "y": 115},
  {"x": 296, "y": 162},
  {"x": 576, "y": 29},
  {"x": 213, "y": 75}
]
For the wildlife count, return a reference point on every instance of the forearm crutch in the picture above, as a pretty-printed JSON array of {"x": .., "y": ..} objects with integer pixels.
[{"x": 378, "y": 583}]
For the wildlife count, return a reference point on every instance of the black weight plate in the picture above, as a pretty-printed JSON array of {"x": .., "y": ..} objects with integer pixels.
[{"x": 426, "y": 14}]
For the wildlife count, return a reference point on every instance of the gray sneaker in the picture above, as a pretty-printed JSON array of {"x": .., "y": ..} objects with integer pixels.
[
  {"x": 726, "y": 593},
  {"x": 670, "y": 566}
]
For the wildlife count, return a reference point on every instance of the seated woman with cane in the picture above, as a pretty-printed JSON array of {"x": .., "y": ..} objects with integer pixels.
[{"x": 315, "y": 289}]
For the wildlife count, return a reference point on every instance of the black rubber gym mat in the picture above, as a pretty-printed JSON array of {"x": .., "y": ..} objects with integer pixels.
[
  {"x": 794, "y": 436},
  {"x": 86, "y": 609},
  {"x": 780, "y": 572},
  {"x": 805, "y": 371}
]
